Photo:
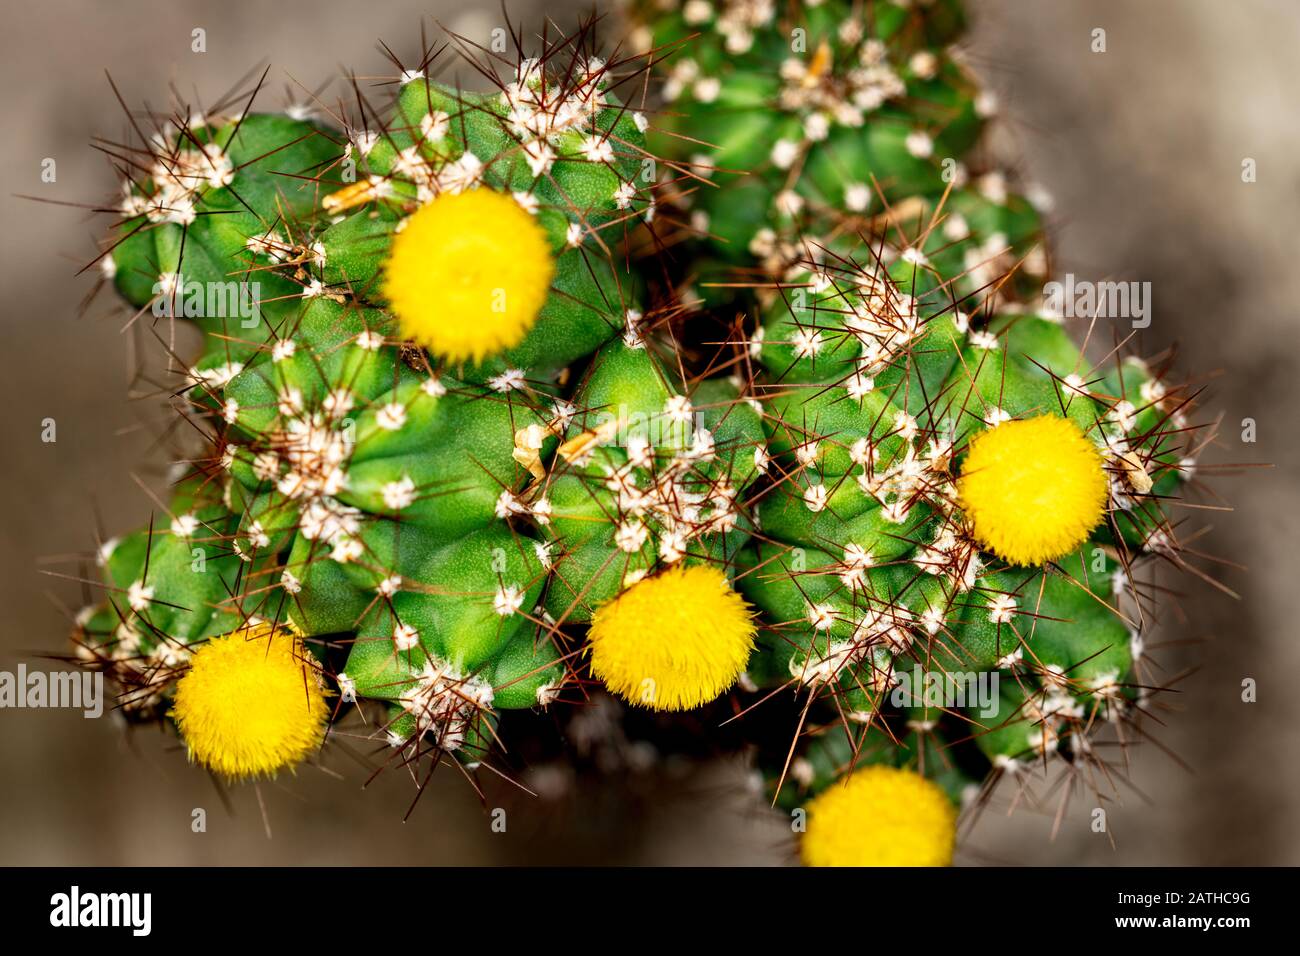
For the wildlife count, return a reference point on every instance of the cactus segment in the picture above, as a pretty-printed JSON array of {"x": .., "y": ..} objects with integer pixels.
[{"x": 956, "y": 497}]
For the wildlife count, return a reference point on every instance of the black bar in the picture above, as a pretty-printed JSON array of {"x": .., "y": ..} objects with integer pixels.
[{"x": 328, "y": 908}]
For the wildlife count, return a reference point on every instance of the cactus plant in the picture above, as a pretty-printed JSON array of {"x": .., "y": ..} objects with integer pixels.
[
  {"x": 462, "y": 451},
  {"x": 357, "y": 484},
  {"x": 960, "y": 497},
  {"x": 444, "y": 435}
]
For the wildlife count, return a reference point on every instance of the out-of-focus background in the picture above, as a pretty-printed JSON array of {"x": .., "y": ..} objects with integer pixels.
[{"x": 1142, "y": 147}]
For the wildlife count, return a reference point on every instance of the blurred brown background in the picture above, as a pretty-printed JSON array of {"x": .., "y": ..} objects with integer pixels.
[{"x": 1142, "y": 148}]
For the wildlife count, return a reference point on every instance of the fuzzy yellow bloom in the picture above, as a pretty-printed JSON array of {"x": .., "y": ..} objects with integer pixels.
[
  {"x": 467, "y": 274},
  {"x": 880, "y": 816},
  {"x": 1033, "y": 490},
  {"x": 251, "y": 703},
  {"x": 673, "y": 641}
]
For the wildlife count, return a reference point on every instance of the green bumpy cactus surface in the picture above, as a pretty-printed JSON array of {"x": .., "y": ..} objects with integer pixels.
[{"x": 794, "y": 124}]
